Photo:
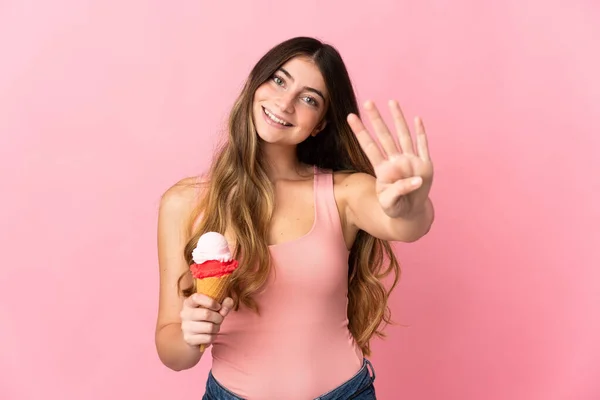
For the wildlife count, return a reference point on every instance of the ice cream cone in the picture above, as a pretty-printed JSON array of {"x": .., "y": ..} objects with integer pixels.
[
  {"x": 215, "y": 287},
  {"x": 212, "y": 267}
]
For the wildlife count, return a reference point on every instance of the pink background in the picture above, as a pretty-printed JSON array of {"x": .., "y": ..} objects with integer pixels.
[{"x": 104, "y": 104}]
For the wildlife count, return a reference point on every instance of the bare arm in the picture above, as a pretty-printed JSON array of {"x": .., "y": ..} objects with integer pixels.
[
  {"x": 395, "y": 205},
  {"x": 176, "y": 205},
  {"x": 363, "y": 211}
]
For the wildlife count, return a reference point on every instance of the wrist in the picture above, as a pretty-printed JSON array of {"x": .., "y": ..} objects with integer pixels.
[
  {"x": 413, "y": 225},
  {"x": 174, "y": 351},
  {"x": 415, "y": 212}
]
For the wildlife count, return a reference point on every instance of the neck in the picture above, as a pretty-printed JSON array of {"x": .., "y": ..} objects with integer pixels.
[{"x": 282, "y": 163}]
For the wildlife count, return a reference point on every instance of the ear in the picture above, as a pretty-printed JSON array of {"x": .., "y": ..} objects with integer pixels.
[{"x": 319, "y": 128}]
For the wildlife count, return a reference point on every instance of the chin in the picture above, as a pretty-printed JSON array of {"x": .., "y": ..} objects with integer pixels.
[{"x": 265, "y": 135}]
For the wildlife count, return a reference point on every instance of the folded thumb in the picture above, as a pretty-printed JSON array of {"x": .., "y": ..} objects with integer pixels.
[{"x": 226, "y": 306}]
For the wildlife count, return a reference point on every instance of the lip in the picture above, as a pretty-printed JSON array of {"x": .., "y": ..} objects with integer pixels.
[{"x": 269, "y": 120}]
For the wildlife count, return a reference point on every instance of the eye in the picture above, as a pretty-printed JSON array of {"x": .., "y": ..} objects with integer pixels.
[
  {"x": 310, "y": 100},
  {"x": 278, "y": 81}
]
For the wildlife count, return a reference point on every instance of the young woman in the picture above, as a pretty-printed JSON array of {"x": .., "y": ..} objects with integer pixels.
[{"x": 308, "y": 202}]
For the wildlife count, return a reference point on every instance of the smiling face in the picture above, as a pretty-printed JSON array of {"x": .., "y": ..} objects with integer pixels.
[{"x": 291, "y": 105}]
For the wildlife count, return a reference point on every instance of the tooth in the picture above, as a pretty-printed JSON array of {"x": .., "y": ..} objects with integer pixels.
[{"x": 275, "y": 119}]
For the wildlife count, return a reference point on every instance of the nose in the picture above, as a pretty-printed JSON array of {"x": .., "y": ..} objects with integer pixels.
[{"x": 285, "y": 102}]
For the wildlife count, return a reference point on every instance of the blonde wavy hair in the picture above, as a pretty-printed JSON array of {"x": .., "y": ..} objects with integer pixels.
[{"x": 238, "y": 196}]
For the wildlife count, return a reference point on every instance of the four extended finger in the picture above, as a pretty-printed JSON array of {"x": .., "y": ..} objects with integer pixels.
[
  {"x": 365, "y": 140},
  {"x": 422, "y": 144},
  {"x": 381, "y": 130},
  {"x": 404, "y": 137}
]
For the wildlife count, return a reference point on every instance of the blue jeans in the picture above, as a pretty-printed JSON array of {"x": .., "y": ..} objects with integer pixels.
[{"x": 360, "y": 387}]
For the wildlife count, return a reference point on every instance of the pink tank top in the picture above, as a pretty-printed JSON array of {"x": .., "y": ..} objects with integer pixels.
[{"x": 299, "y": 347}]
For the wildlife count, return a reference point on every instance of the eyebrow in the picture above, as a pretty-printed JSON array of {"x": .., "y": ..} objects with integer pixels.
[{"x": 305, "y": 87}]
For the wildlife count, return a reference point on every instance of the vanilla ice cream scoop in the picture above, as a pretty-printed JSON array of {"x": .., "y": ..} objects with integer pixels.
[{"x": 211, "y": 246}]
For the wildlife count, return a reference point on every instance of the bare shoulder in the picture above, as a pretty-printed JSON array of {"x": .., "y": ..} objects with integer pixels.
[
  {"x": 347, "y": 187},
  {"x": 182, "y": 196},
  {"x": 349, "y": 184}
]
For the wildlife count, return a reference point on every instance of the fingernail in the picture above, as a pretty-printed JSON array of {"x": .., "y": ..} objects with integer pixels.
[{"x": 415, "y": 181}]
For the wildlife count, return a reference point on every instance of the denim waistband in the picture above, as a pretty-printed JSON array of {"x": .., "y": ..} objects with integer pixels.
[{"x": 359, "y": 387}]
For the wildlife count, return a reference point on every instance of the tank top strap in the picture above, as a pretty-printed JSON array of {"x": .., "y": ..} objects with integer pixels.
[{"x": 327, "y": 214}]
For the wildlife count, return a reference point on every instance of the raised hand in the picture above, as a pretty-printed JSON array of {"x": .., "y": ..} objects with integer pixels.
[{"x": 403, "y": 174}]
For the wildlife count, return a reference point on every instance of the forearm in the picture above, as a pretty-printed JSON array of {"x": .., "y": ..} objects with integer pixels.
[
  {"x": 173, "y": 351},
  {"x": 412, "y": 227}
]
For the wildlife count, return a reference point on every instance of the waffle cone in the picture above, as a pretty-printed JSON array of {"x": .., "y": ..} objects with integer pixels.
[{"x": 214, "y": 287}]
